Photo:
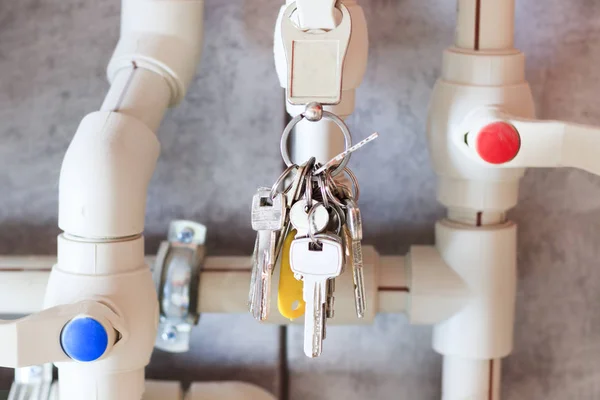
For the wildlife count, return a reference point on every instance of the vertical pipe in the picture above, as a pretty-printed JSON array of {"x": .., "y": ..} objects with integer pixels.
[
  {"x": 485, "y": 24},
  {"x": 471, "y": 379},
  {"x": 139, "y": 93}
]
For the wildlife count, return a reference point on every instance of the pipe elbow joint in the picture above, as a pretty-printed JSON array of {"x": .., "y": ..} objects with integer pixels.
[
  {"x": 105, "y": 175},
  {"x": 164, "y": 36}
]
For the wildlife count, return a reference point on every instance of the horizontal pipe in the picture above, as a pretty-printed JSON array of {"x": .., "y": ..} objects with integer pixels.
[
  {"x": 223, "y": 285},
  {"x": 485, "y": 25},
  {"x": 168, "y": 390}
]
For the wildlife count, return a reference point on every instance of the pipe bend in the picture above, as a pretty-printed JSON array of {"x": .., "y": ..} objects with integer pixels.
[
  {"x": 105, "y": 175},
  {"x": 164, "y": 36}
]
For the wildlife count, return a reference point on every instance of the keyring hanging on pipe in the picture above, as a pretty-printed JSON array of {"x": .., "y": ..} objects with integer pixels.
[{"x": 314, "y": 113}]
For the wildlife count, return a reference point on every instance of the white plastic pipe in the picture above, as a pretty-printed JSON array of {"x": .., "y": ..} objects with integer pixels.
[
  {"x": 223, "y": 286},
  {"x": 485, "y": 258},
  {"x": 163, "y": 36},
  {"x": 485, "y": 24},
  {"x": 140, "y": 93},
  {"x": 162, "y": 390},
  {"x": 471, "y": 379}
]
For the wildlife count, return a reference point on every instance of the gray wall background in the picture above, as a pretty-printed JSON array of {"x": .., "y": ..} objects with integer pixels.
[{"x": 219, "y": 145}]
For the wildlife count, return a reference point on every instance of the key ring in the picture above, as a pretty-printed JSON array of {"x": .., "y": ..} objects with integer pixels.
[
  {"x": 329, "y": 191},
  {"x": 326, "y": 115},
  {"x": 354, "y": 192},
  {"x": 282, "y": 177}
]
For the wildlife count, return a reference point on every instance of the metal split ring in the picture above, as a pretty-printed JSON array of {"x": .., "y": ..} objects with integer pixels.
[
  {"x": 330, "y": 186},
  {"x": 275, "y": 188},
  {"x": 312, "y": 226},
  {"x": 355, "y": 184},
  {"x": 326, "y": 115},
  {"x": 321, "y": 184}
]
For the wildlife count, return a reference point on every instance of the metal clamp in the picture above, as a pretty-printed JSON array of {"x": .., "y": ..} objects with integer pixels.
[
  {"x": 33, "y": 383},
  {"x": 177, "y": 278}
]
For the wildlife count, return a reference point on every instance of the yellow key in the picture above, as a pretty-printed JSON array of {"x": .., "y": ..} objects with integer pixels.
[{"x": 290, "y": 299}]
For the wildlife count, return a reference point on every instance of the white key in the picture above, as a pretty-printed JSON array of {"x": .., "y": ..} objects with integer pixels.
[
  {"x": 354, "y": 225},
  {"x": 290, "y": 197},
  {"x": 316, "y": 265},
  {"x": 300, "y": 222}
]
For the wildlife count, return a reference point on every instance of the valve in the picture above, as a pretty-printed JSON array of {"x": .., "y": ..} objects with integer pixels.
[
  {"x": 85, "y": 331},
  {"x": 497, "y": 143},
  {"x": 86, "y": 339},
  {"x": 498, "y": 139}
]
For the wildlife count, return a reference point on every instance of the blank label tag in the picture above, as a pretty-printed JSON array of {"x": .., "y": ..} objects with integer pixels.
[
  {"x": 315, "y": 60},
  {"x": 315, "y": 70}
]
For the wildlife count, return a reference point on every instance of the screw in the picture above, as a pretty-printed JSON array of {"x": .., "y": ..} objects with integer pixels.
[
  {"x": 186, "y": 235},
  {"x": 169, "y": 334},
  {"x": 35, "y": 371}
]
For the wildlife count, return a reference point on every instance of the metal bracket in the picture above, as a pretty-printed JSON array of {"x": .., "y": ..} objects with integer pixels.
[
  {"x": 32, "y": 383},
  {"x": 315, "y": 61},
  {"x": 177, "y": 278}
]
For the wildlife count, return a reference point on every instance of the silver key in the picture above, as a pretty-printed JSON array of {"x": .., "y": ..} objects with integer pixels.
[
  {"x": 268, "y": 214},
  {"x": 290, "y": 197},
  {"x": 268, "y": 218},
  {"x": 354, "y": 224},
  {"x": 316, "y": 263},
  {"x": 262, "y": 271},
  {"x": 330, "y": 298},
  {"x": 254, "y": 276}
]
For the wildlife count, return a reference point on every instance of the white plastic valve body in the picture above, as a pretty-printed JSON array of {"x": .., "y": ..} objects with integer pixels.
[
  {"x": 37, "y": 339},
  {"x": 469, "y": 81}
]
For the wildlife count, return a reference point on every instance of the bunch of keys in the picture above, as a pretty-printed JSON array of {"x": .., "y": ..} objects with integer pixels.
[{"x": 323, "y": 214}]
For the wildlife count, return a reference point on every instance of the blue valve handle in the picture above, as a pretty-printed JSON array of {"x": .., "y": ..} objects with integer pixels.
[{"x": 84, "y": 339}]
